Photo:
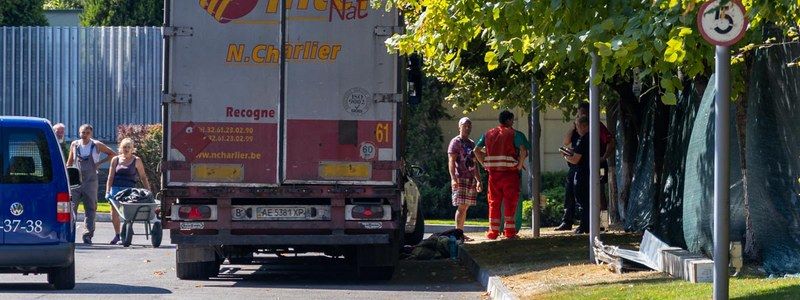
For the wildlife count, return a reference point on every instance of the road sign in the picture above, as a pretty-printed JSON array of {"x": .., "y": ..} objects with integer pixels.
[{"x": 722, "y": 26}]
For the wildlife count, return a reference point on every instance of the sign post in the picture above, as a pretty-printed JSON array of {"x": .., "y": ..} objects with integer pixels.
[
  {"x": 594, "y": 157},
  {"x": 535, "y": 163},
  {"x": 722, "y": 26}
]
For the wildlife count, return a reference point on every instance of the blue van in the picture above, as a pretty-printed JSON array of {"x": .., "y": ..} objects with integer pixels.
[{"x": 37, "y": 223}]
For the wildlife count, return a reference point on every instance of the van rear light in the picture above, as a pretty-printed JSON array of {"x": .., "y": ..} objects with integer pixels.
[
  {"x": 63, "y": 208},
  {"x": 368, "y": 212},
  {"x": 194, "y": 212}
]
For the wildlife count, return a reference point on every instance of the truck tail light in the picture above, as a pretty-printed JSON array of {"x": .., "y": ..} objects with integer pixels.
[
  {"x": 194, "y": 212},
  {"x": 63, "y": 207},
  {"x": 368, "y": 212}
]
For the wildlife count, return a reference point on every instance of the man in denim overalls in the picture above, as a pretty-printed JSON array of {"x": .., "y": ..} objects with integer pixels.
[{"x": 85, "y": 155}]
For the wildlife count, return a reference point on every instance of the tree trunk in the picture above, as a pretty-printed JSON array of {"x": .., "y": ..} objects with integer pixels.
[
  {"x": 629, "y": 119},
  {"x": 612, "y": 115},
  {"x": 660, "y": 142},
  {"x": 750, "y": 243}
]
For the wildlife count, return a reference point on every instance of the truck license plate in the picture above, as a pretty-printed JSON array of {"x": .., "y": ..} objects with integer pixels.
[{"x": 281, "y": 213}]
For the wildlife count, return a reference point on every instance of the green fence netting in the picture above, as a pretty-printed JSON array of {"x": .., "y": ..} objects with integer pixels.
[
  {"x": 639, "y": 213},
  {"x": 679, "y": 209},
  {"x": 698, "y": 189},
  {"x": 773, "y": 158},
  {"x": 669, "y": 223}
]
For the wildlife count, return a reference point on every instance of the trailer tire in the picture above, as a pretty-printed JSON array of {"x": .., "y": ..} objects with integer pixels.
[
  {"x": 415, "y": 237},
  {"x": 196, "y": 270}
]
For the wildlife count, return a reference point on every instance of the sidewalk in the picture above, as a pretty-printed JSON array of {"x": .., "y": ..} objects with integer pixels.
[
  {"x": 530, "y": 267},
  {"x": 100, "y": 217}
]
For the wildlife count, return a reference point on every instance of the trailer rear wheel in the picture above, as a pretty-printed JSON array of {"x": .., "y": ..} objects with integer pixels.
[{"x": 197, "y": 270}]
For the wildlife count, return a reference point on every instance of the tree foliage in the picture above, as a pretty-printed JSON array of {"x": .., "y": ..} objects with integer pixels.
[
  {"x": 122, "y": 13},
  {"x": 62, "y": 4},
  {"x": 22, "y": 13},
  {"x": 491, "y": 50},
  {"x": 425, "y": 148}
]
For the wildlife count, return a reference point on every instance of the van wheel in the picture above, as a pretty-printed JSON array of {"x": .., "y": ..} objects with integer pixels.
[
  {"x": 415, "y": 237},
  {"x": 197, "y": 270},
  {"x": 62, "y": 278},
  {"x": 375, "y": 273},
  {"x": 128, "y": 237}
]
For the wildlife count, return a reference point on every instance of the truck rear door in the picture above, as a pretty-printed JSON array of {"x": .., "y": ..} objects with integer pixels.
[
  {"x": 224, "y": 72},
  {"x": 252, "y": 106},
  {"x": 341, "y": 94}
]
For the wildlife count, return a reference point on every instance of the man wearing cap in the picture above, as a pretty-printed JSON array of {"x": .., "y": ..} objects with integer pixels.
[
  {"x": 502, "y": 151},
  {"x": 465, "y": 179}
]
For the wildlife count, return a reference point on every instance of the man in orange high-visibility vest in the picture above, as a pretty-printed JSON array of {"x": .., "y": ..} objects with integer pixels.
[{"x": 502, "y": 152}]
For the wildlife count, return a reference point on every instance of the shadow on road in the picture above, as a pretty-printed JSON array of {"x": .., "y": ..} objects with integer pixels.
[
  {"x": 103, "y": 246},
  {"x": 334, "y": 274},
  {"x": 83, "y": 289}
]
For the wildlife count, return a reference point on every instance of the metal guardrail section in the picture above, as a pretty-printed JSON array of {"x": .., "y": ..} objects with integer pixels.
[{"x": 105, "y": 76}]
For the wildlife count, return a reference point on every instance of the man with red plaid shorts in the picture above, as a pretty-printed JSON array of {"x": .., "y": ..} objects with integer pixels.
[
  {"x": 464, "y": 177},
  {"x": 502, "y": 151}
]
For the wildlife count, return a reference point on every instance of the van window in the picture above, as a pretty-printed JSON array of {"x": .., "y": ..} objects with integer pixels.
[{"x": 25, "y": 157}]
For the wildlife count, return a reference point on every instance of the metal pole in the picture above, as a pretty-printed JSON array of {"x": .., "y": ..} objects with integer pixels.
[
  {"x": 535, "y": 163},
  {"x": 594, "y": 157},
  {"x": 722, "y": 172}
]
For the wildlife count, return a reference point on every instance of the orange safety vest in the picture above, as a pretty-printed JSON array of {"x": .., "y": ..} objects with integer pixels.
[{"x": 501, "y": 154}]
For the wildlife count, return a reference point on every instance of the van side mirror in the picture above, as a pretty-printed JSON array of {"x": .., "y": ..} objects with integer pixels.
[{"x": 74, "y": 176}]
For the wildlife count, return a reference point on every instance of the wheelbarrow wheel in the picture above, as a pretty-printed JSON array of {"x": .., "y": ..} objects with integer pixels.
[
  {"x": 156, "y": 233},
  {"x": 123, "y": 231},
  {"x": 128, "y": 238}
]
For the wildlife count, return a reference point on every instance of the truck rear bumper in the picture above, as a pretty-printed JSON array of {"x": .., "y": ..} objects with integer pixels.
[
  {"x": 36, "y": 256},
  {"x": 279, "y": 240}
]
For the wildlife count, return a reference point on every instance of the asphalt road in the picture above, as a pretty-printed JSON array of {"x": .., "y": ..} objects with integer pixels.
[{"x": 112, "y": 271}]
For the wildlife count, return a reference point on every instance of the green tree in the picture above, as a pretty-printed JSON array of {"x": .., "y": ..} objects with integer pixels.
[
  {"x": 489, "y": 51},
  {"x": 122, "y": 13},
  {"x": 425, "y": 148},
  {"x": 22, "y": 13},
  {"x": 62, "y": 4},
  {"x": 514, "y": 41}
]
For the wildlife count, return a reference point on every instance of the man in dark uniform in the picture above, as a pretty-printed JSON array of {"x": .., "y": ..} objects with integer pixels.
[
  {"x": 580, "y": 160},
  {"x": 570, "y": 139}
]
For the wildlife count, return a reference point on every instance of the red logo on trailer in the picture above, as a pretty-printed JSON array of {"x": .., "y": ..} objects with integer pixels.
[{"x": 225, "y": 11}]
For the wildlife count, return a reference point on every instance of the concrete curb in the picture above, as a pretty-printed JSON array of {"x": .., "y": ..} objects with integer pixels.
[
  {"x": 99, "y": 217},
  {"x": 442, "y": 228},
  {"x": 467, "y": 228},
  {"x": 493, "y": 284}
]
